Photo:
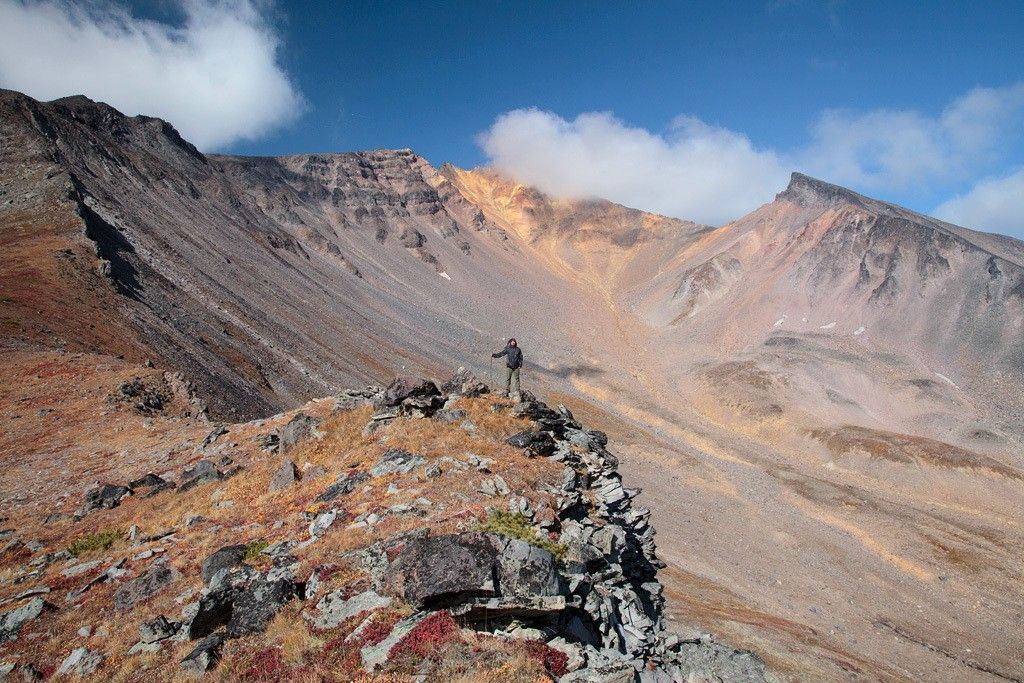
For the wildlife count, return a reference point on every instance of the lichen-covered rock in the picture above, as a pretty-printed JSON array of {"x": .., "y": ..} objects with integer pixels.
[
  {"x": 160, "y": 574},
  {"x": 396, "y": 461},
  {"x": 226, "y": 558},
  {"x": 256, "y": 604},
  {"x": 12, "y": 622},
  {"x": 333, "y": 608},
  {"x": 81, "y": 662}
]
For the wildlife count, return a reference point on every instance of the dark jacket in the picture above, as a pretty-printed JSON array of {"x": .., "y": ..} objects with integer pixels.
[{"x": 513, "y": 356}]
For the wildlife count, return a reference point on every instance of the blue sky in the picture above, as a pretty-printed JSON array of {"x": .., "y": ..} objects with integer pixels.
[{"x": 694, "y": 109}]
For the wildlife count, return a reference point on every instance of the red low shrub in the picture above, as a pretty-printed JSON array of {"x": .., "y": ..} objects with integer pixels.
[
  {"x": 432, "y": 633},
  {"x": 554, "y": 661},
  {"x": 267, "y": 666}
]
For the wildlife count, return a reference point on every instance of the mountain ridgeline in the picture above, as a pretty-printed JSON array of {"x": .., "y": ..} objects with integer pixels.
[{"x": 827, "y": 372}]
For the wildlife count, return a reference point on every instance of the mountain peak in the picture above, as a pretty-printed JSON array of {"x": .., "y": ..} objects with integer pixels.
[{"x": 807, "y": 191}]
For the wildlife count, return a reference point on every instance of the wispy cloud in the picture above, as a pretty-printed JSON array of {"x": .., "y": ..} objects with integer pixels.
[
  {"x": 993, "y": 204},
  {"x": 215, "y": 77},
  {"x": 894, "y": 149},
  {"x": 711, "y": 174}
]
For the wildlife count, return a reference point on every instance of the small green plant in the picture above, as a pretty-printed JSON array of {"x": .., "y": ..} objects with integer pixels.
[
  {"x": 253, "y": 550},
  {"x": 517, "y": 525},
  {"x": 101, "y": 540}
]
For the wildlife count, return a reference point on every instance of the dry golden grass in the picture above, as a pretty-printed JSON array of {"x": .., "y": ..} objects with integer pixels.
[{"x": 132, "y": 449}]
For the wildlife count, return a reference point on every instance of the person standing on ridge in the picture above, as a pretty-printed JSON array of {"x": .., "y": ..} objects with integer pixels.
[{"x": 513, "y": 362}]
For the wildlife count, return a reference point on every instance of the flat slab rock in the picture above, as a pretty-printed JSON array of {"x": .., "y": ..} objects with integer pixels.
[
  {"x": 374, "y": 656},
  {"x": 333, "y": 608}
]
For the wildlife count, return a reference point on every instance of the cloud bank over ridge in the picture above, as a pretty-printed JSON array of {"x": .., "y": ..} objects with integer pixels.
[{"x": 711, "y": 174}]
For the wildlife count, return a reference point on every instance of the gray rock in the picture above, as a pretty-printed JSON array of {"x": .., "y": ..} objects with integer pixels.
[
  {"x": 257, "y": 603},
  {"x": 104, "y": 496},
  {"x": 209, "y": 614},
  {"x": 322, "y": 523},
  {"x": 227, "y": 557},
  {"x": 156, "y": 629},
  {"x": 284, "y": 477},
  {"x": 450, "y": 416},
  {"x": 158, "y": 576},
  {"x": 12, "y": 622},
  {"x": 80, "y": 568},
  {"x": 421, "y": 406},
  {"x": 299, "y": 428},
  {"x": 402, "y": 388},
  {"x": 203, "y": 472},
  {"x": 375, "y": 655},
  {"x": 205, "y": 655},
  {"x": 444, "y": 570},
  {"x": 464, "y": 383},
  {"x": 535, "y": 442},
  {"x": 341, "y": 486},
  {"x": 432, "y": 472},
  {"x": 396, "y": 461},
  {"x": 333, "y": 608},
  {"x": 81, "y": 662}
]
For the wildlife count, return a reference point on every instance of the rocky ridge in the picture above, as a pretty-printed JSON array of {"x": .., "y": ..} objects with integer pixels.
[{"x": 566, "y": 572}]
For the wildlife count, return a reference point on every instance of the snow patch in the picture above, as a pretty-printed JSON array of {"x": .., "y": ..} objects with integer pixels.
[
  {"x": 828, "y": 326},
  {"x": 944, "y": 378},
  {"x": 859, "y": 331},
  {"x": 780, "y": 320},
  {"x": 446, "y": 276}
]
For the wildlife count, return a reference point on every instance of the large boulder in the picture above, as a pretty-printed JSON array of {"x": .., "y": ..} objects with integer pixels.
[
  {"x": 402, "y": 388},
  {"x": 446, "y": 570}
]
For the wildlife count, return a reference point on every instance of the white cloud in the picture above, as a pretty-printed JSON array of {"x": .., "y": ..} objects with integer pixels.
[
  {"x": 714, "y": 174},
  {"x": 993, "y": 204},
  {"x": 695, "y": 171},
  {"x": 215, "y": 77},
  {"x": 907, "y": 150}
]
